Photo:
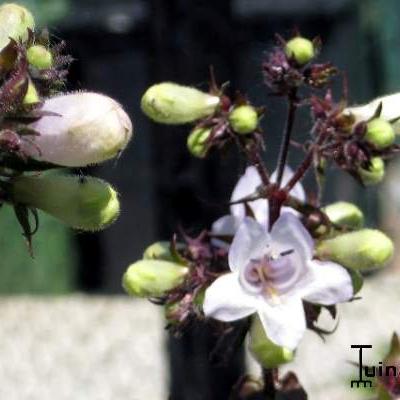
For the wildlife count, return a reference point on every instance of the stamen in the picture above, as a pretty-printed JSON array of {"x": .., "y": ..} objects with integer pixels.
[
  {"x": 273, "y": 274},
  {"x": 286, "y": 252}
]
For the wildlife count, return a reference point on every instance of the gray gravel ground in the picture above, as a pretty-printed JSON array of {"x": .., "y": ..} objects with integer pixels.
[
  {"x": 80, "y": 348},
  {"x": 110, "y": 348}
]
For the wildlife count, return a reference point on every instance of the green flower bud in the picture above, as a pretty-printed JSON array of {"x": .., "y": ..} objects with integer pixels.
[
  {"x": 39, "y": 57},
  {"x": 198, "y": 300},
  {"x": 345, "y": 214},
  {"x": 89, "y": 204},
  {"x": 153, "y": 278},
  {"x": 361, "y": 250},
  {"x": 14, "y": 23},
  {"x": 393, "y": 356},
  {"x": 390, "y": 110},
  {"x": 357, "y": 280},
  {"x": 170, "y": 103},
  {"x": 267, "y": 353},
  {"x": 196, "y": 141},
  {"x": 172, "y": 312},
  {"x": 374, "y": 174},
  {"x": 244, "y": 119},
  {"x": 301, "y": 49},
  {"x": 160, "y": 251},
  {"x": 31, "y": 96},
  {"x": 380, "y": 133}
]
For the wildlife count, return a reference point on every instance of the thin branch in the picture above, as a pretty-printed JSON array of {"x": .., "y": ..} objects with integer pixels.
[
  {"x": 287, "y": 133},
  {"x": 269, "y": 376}
]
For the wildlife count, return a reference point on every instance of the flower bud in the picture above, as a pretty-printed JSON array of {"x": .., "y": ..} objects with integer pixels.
[
  {"x": 267, "y": 353},
  {"x": 379, "y": 133},
  {"x": 172, "y": 313},
  {"x": 374, "y": 174},
  {"x": 153, "y": 278},
  {"x": 15, "y": 21},
  {"x": 160, "y": 251},
  {"x": 300, "y": 49},
  {"x": 390, "y": 110},
  {"x": 345, "y": 214},
  {"x": 244, "y": 119},
  {"x": 170, "y": 103},
  {"x": 86, "y": 128},
  {"x": 197, "y": 141},
  {"x": 39, "y": 57},
  {"x": 31, "y": 96},
  {"x": 361, "y": 250},
  {"x": 89, "y": 204}
]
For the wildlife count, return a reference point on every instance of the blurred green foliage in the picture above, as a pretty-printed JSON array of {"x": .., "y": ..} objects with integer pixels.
[
  {"x": 53, "y": 269},
  {"x": 380, "y": 21},
  {"x": 46, "y": 12}
]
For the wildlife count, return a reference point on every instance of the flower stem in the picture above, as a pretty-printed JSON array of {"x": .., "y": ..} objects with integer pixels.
[
  {"x": 256, "y": 160},
  {"x": 287, "y": 133},
  {"x": 278, "y": 196},
  {"x": 300, "y": 172},
  {"x": 306, "y": 164},
  {"x": 269, "y": 376}
]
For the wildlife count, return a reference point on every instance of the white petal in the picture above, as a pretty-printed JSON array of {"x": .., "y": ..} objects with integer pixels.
[
  {"x": 226, "y": 300},
  {"x": 290, "y": 210},
  {"x": 250, "y": 242},
  {"x": 390, "y": 109},
  {"x": 246, "y": 186},
  {"x": 298, "y": 190},
  {"x": 289, "y": 233},
  {"x": 225, "y": 226},
  {"x": 329, "y": 283},
  {"x": 284, "y": 323}
]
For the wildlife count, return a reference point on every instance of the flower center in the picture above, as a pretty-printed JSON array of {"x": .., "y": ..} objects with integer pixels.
[{"x": 271, "y": 275}]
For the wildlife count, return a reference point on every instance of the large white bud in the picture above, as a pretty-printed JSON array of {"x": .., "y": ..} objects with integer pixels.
[{"x": 89, "y": 128}]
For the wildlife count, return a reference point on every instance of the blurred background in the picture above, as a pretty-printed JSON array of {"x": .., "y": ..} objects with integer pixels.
[{"x": 123, "y": 46}]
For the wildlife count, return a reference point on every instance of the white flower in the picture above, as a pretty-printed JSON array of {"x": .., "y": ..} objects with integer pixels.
[
  {"x": 271, "y": 273},
  {"x": 247, "y": 186},
  {"x": 86, "y": 128},
  {"x": 390, "y": 109}
]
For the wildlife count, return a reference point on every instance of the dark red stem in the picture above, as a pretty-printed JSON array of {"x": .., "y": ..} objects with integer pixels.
[
  {"x": 278, "y": 196},
  {"x": 287, "y": 133},
  {"x": 269, "y": 376}
]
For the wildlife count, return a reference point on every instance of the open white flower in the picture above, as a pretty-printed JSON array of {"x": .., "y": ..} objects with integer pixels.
[
  {"x": 247, "y": 186},
  {"x": 271, "y": 273}
]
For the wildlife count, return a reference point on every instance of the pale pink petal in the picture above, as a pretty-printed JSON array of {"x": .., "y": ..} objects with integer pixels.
[
  {"x": 226, "y": 300},
  {"x": 250, "y": 242},
  {"x": 328, "y": 283},
  {"x": 225, "y": 226},
  {"x": 247, "y": 186},
  {"x": 284, "y": 323},
  {"x": 289, "y": 233}
]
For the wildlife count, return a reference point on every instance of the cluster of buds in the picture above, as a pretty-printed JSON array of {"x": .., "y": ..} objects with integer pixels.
[
  {"x": 42, "y": 128},
  {"x": 280, "y": 254},
  {"x": 176, "y": 274},
  {"x": 289, "y": 66},
  {"x": 217, "y": 119},
  {"x": 358, "y": 145}
]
